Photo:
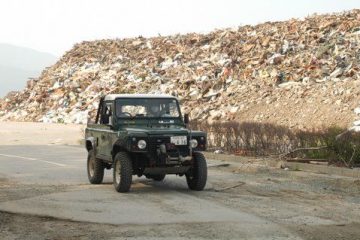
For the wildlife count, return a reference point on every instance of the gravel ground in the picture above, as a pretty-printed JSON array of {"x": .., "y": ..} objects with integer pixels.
[
  {"x": 307, "y": 205},
  {"x": 312, "y": 206}
]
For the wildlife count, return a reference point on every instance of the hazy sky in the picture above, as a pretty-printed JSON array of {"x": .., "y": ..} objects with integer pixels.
[{"x": 55, "y": 25}]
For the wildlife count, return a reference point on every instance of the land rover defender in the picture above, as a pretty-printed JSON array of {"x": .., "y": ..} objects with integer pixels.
[{"x": 144, "y": 134}]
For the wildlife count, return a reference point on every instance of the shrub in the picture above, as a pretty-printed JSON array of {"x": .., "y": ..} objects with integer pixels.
[
  {"x": 250, "y": 138},
  {"x": 345, "y": 147}
]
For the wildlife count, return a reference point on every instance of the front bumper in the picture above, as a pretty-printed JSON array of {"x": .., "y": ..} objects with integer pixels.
[
  {"x": 176, "y": 160},
  {"x": 167, "y": 170}
]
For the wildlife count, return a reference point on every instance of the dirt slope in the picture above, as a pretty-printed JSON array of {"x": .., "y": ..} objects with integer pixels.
[{"x": 298, "y": 73}]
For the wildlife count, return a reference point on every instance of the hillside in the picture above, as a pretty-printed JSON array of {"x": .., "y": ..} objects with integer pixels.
[
  {"x": 297, "y": 73},
  {"x": 12, "y": 78},
  {"x": 18, "y": 64}
]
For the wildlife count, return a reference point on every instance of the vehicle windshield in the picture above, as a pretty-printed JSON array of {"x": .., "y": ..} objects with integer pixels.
[{"x": 147, "y": 108}]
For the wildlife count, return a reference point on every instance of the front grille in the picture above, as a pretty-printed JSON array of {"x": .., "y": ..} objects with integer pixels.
[
  {"x": 154, "y": 142},
  {"x": 174, "y": 151}
]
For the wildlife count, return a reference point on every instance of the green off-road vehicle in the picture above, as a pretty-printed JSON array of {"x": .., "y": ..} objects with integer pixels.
[{"x": 144, "y": 135}]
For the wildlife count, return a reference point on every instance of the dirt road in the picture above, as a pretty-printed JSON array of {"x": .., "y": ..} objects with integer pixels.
[{"x": 44, "y": 194}]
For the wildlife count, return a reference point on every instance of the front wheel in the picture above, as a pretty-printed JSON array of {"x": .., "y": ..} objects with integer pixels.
[
  {"x": 197, "y": 176},
  {"x": 95, "y": 168},
  {"x": 122, "y": 172}
]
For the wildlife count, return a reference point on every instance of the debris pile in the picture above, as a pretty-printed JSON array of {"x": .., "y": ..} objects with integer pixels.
[{"x": 299, "y": 73}]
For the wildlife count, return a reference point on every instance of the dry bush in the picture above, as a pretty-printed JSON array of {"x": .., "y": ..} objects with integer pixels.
[
  {"x": 250, "y": 138},
  {"x": 344, "y": 149}
]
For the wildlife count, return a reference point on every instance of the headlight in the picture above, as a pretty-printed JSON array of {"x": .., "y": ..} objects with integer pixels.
[
  {"x": 141, "y": 144},
  {"x": 193, "y": 143}
]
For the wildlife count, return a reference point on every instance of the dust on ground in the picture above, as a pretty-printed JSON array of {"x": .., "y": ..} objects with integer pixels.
[{"x": 33, "y": 133}]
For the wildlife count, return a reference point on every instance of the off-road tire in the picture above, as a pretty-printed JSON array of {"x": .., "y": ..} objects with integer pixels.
[
  {"x": 123, "y": 167},
  {"x": 95, "y": 168},
  {"x": 197, "y": 176},
  {"x": 158, "y": 177}
]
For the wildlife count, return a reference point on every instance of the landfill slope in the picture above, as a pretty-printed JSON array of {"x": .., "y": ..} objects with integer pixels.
[{"x": 297, "y": 73}]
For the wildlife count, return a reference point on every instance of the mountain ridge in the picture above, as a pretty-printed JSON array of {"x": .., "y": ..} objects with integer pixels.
[{"x": 18, "y": 64}]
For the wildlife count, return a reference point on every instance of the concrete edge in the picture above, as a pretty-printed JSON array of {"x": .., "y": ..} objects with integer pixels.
[
  {"x": 276, "y": 163},
  {"x": 269, "y": 162},
  {"x": 345, "y": 172}
]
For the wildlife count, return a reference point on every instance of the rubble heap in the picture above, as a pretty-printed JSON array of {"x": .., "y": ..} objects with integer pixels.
[{"x": 302, "y": 73}]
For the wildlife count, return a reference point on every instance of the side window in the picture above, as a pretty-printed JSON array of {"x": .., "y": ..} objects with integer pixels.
[
  {"x": 173, "y": 109},
  {"x": 106, "y": 115},
  {"x": 109, "y": 113},
  {"x": 169, "y": 109}
]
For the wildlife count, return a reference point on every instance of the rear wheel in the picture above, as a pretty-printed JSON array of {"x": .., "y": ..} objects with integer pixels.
[
  {"x": 95, "y": 168},
  {"x": 197, "y": 176},
  {"x": 122, "y": 172}
]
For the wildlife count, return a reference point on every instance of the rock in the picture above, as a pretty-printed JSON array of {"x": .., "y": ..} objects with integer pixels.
[
  {"x": 357, "y": 110},
  {"x": 357, "y": 123},
  {"x": 355, "y": 129},
  {"x": 285, "y": 47},
  {"x": 166, "y": 64},
  {"x": 306, "y": 80},
  {"x": 289, "y": 84},
  {"x": 338, "y": 102},
  {"x": 194, "y": 94},
  {"x": 218, "y": 151},
  {"x": 137, "y": 43},
  {"x": 234, "y": 109},
  {"x": 336, "y": 73},
  {"x": 276, "y": 59},
  {"x": 215, "y": 114},
  {"x": 211, "y": 93}
]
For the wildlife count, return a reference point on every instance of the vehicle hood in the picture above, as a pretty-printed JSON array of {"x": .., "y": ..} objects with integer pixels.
[{"x": 171, "y": 130}]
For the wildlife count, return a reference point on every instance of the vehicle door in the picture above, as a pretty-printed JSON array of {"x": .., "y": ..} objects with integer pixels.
[{"x": 106, "y": 131}]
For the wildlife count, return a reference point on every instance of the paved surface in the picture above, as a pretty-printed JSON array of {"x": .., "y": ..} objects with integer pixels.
[
  {"x": 242, "y": 200},
  {"x": 63, "y": 191}
]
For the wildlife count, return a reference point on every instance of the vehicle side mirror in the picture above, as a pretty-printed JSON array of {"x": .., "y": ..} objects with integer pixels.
[{"x": 186, "y": 118}]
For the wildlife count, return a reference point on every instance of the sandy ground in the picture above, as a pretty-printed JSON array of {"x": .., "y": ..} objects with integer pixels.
[
  {"x": 30, "y": 133},
  {"x": 296, "y": 204}
]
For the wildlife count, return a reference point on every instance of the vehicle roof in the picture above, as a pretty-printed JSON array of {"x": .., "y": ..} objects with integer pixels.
[{"x": 111, "y": 97}]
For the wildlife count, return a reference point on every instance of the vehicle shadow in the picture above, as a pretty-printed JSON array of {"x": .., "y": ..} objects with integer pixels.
[{"x": 143, "y": 185}]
